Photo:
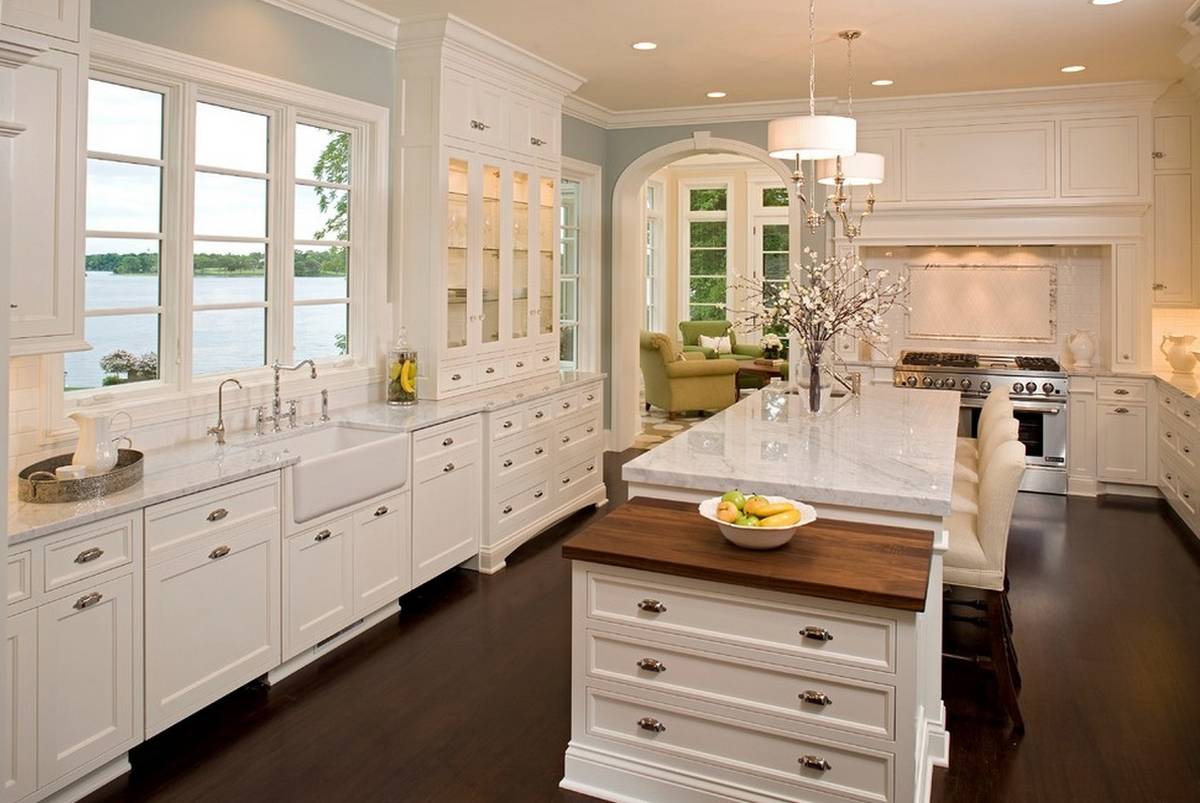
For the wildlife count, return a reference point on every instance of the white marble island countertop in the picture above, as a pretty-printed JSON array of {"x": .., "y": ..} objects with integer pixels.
[{"x": 890, "y": 449}]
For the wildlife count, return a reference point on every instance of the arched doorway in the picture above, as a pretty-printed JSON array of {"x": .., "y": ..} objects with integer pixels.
[{"x": 627, "y": 259}]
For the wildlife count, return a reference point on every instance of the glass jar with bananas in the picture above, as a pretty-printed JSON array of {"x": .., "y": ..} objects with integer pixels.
[{"x": 402, "y": 372}]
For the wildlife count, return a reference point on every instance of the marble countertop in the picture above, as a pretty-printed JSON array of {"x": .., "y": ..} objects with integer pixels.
[
  {"x": 889, "y": 449},
  {"x": 195, "y": 466}
]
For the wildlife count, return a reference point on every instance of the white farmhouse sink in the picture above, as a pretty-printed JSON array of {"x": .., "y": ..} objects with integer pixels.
[{"x": 341, "y": 465}]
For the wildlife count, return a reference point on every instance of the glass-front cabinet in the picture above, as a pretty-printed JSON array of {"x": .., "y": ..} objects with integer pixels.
[
  {"x": 521, "y": 264},
  {"x": 457, "y": 272},
  {"x": 547, "y": 253}
]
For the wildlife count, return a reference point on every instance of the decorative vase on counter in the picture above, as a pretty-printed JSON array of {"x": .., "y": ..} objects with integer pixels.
[
  {"x": 1179, "y": 355},
  {"x": 818, "y": 390},
  {"x": 97, "y": 449},
  {"x": 1082, "y": 345},
  {"x": 401, "y": 378}
]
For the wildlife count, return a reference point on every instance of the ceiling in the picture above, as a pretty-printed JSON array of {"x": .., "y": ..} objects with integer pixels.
[{"x": 756, "y": 50}]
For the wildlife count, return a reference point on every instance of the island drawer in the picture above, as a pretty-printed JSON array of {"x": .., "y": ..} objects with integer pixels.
[
  {"x": 88, "y": 551},
  {"x": 820, "y": 765},
  {"x": 746, "y": 619},
  {"x": 175, "y": 525},
  {"x": 809, "y": 698}
]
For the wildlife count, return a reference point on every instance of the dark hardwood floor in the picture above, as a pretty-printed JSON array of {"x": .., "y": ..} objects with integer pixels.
[{"x": 464, "y": 695}]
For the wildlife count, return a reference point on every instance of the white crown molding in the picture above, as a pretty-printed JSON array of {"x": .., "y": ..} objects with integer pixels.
[
  {"x": 1002, "y": 102},
  {"x": 348, "y": 16}
]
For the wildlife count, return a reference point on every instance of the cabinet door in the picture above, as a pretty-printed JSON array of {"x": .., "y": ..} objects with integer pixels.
[
  {"x": 547, "y": 240},
  {"x": 456, "y": 105},
  {"x": 85, "y": 705},
  {"x": 522, "y": 264},
  {"x": 520, "y": 126},
  {"x": 46, "y": 172},
  {"x": 1121, "y": 443},
  {"x": 1173, "y": 142},
  {"x": 318, "y": 572},
  {"x": 59, "y": 18},
  {"x": 19, "y": 736},
  {"x": 545, "y": 132},
  {"x": 1100, "y": 157},
  {"x": 487, "y": 114},
  {"x": 212, "y": 623},
  {"x": 492, "y": 222},
  {"x": 1125, "y": 315},
  {"x": 446, "y": 519},
  {"x": 382, "y": 553},
  {"x": 1173, "y": 278}
]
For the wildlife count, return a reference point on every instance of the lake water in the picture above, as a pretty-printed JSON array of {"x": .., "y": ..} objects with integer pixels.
[{"x": 222, "y": 340}]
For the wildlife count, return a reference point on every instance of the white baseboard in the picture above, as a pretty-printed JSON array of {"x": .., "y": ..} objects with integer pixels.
[
  {"x": 86, "y": 784},
  {"x": 491, "y": 559},
  {"x": 303, "y": 659}
]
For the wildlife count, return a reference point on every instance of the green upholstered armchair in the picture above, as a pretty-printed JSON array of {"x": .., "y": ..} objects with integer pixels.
[
  {"x": 691, "y": 331},
  {"x": 677, "y": 381}
]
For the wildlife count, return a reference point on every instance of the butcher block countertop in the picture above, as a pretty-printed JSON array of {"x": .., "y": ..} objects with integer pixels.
[{"x": 852, "y": 562}]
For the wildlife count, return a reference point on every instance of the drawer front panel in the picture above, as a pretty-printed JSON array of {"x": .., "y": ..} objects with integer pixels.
[
  {"x": 455, "y": 377},
  {"x": 491, "y": 370},
  {"x": 539, "y": 413},
  {"x": 20, "y": 576},
  {"x": 862, "y": 641},
  {"x": 1168, "y": 479},
  {"x": 517, "y": 510},
  {"x": 545, "y": 358},
  {"x": 520, "y": 364},
  {"x": 511, "y": 460},
  {"x": 441, "y": 439},
  {"x": 590, "y": 397},
  {"x": 101, "y": 547},
  {"x": 1120, "y": 391},
  {"x": 172, "y": 525},
  {"x": 506, "y": 423},
  {"x": 453, "y": 458},
  {"x": 1168, "y": 434},
  {"x": 571, "y": 435},
  {"x": 565, "y": 404},
  {"x": 1185, "y": 445},
  {"x": 835, "y": 768},
  {"x": 809, "y": 697},
  {"x": 1187, "y": 412},
  {"x": 579, "y": 476}
]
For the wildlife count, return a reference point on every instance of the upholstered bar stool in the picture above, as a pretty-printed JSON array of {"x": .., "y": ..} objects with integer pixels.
[
  {"x": 976, "y": 560},
  {"x": 997, "y": 407},
  {"x": 967, "y": 470}
]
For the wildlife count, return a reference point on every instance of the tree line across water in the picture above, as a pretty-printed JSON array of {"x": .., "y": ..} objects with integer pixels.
[{"x": 329, "y": 262}]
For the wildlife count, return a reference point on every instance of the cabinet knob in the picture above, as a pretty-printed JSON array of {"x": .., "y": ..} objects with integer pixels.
[
  {"x": 815, "y": 763},
  {"x": 815, "y": 697},
  {"x": 566, "y": 438},
  {"x": 447, "y": 441},
  {"x": 566, "y": 405},
  {"x": 591, "y": 397},
  {"x": 218, "y": 514},
  {"x": 545, "y": 358},
  {"x": 219, "y": 552},
  {"x": 536, "y": 142},
  {"x": 89, "y": 555},
  {"x": 539, "y": 451},
  {"x": 446, "y": 469},
  {"x": 381, "y": 510},
  {"x": 651, "y": 724},
  {"x": 652, "y": 606},
  {"x": 507, "y": 509},
  {"x": 490, "y": 370},
  {"x": 324, "y": 535},
  {"x": 455, "y": 377},
  {"x": 592, "y": 467},
  {"x": 88, "y": 600},
  {"x": 508, "y": 464},
  {"x": 479, "y": 125},
  {"x": 816, "y": 634},
  {"x": 590, "y": 430},
  {"x": 520, "y": 364},
  {"x": 13, "y": 306},
  {"x": 1158, "y": 286},
  {"x": 651, "y": 665},
  {"x": 538, "y": 494},
  {"x": 566, "y": 480},
  {"x": 508, "y": 425},
  {"x": 539, "y": 415},
  {"x": 1157, "y": 155}
]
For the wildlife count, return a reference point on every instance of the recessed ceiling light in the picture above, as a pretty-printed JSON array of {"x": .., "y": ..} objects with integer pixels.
[
  {"x": 644, "y": 45},
  {"x": 714, "y": 94},
  {"x": 1073, "y": 68},
  {"x": 1105, "y": 2},
  {"x": 882, "y": 82}
]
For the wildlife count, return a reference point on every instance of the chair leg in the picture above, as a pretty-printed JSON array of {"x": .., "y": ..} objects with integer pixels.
[
  {"x": 647, "y": 406},
  {"x": 1001, "y": 659}
]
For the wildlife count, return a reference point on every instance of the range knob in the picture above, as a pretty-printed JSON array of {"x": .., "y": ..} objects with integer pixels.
[
  {"x": 927, "y": 381},
  {"x": 1048, "y": 388},
  {"x": 1031, "y": 387},
  {"x": 985, "y": 386},
  {"x": 911, "y": 381},
  {"x": 966, "y": 383},
  {"x": 1018, "y": 387}
]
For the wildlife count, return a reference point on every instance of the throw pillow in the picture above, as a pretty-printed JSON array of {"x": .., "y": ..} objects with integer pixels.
[{"x": 718, "y": 344}]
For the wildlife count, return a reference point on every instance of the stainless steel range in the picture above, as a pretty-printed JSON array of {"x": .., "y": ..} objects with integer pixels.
[{"x": 1036, "y": 385}]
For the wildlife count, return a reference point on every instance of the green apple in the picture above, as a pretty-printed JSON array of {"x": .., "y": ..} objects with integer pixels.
[
  {"x": 747, "y": 521},
  {"x": 735, "y": 496}
]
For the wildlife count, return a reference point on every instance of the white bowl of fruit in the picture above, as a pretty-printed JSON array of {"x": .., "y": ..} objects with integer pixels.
[{"x": 757, "y": 522}]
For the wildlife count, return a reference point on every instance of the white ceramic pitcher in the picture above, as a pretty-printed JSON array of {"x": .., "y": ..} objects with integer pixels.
[
  {"x": 1083, "y": 348},
  {"x": 97, "y": 448},
  {"x": 1179, "y": 355}
]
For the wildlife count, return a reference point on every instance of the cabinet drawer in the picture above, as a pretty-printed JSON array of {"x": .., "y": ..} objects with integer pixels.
[
  {"x": 838, "y": 769},
  {"x": 539, "y": 413},
  {"x": 589, "y": 397},
  {"x": 807, "y": 697},
  {"x": 1117, "y": 390},
  {"x": 1168, "y": 434},
  {"x": 454, "y": 377},
  {"x": 1186, "y": 446},
  {"x": 441, "y": 439},
  {"x": 520, "y": 458},
  {"x": 1168, "y": 480},
  {"x": 97, "y": 548},
  {"x": 449, "y": 461},
  {"x": 507, "y": 422},
  {"x": 572, "y": 434},
  {"x": 799, "y": 630},
  {"x": 20, "y": 576},
  {"x": 515, "y": 510},
  {"x": 565, "y": 404},
  {"x": 173, "y": 525},
  {"x": 1186, "y": 411},
  {"x": 546, "y": 358},
  {"x": 1186, "y": 490},
  {"x": 521, "y": 364},
  {"x": 491, "y": 370},
  {"x": 580, "y": 475}
]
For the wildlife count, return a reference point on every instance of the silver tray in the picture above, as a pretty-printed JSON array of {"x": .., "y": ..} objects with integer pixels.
[{"x": 37, "y": 483}]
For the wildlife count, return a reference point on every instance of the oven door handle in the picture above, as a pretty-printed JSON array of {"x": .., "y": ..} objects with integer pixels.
[{"x": 1047, "y": 410}]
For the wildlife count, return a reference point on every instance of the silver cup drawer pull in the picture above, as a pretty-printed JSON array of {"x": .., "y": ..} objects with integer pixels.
[
  {"x": 219, "y": 552},
  {"x": 508, "y": 424},
  {"x": 815, "y": 763},
  {"x": 651, "y": 724},
  {"x": 539, "y": 451},
  {"x": 446, "y": 469},
  {"x": 507, "y": 509},
  {"x": 651, "y": 665},
  {"x": 652, "y": 606},
  {"x": 447, "y": 441},
  {"x": 566, "y": 405},
  {"x": 508, "y": 464},
  {"x": 539, "y": 494},
  {"x": 88, "y": 600},
  {"x": 382, "y": 510},
  {"x": 815, "y": 697},
  {"x": 816, "y": 634},
  {"x": 324, "y": 535},
  {"x": 89, "y": 555},
  {"x": 218, "y": 514},
  {"x": 540, "y": 414},
  {"x": 566, "y": 438}
]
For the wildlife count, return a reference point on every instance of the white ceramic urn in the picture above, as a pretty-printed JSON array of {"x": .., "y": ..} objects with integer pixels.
[
  {"x": 1083, "y": 348},
  {"x": 1179, "y": 353}
]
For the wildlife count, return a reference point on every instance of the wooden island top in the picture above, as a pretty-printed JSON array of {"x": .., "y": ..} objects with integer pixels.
[{"x": 868, "y": 564}]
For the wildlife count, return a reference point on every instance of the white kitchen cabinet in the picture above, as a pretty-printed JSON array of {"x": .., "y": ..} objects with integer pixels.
[
  {"x": 1122, "y": 440},
  {"x": 63, "y": 19},
  {"x": 20, "y": 690},
  {"x": 1174, "y": 262},
  {"x": 447, "y": 484},
  {"x": 1100, "y": 158},
  {"x": 318, "y": 578},
  {"x": 212, "y": 621},
  {"x": 1173, "y": 142},
  {"x": 382, "y": 548},
  {"x": 1125, "y": 311},
  {"x": 86, "y": 680},
  {"x": 47, "y": 285}
]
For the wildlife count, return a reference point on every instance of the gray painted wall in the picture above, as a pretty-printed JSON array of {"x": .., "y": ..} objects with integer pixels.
[{"x": 256, "y": 36}]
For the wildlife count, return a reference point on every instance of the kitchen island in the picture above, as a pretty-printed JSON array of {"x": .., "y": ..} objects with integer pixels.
[{"x": 705, "y": 672}]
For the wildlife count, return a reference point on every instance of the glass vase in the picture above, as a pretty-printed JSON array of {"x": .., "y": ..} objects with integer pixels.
[{"x": 819, "y": 389}]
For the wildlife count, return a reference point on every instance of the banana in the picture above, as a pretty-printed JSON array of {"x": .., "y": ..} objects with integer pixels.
[
  {"x": 763, "y": 508},
  {"x": 785, "y": 519},
  {"x": 408, "y": 373}
]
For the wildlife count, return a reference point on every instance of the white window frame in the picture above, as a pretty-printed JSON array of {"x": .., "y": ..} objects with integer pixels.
[
  {"x": 686, "y": 217},
  {"x": 185, "y": 79},
  {"x": 587, "y": 335},
  {"x": 654, "y": 220},
  {"x": 760, "y": 216}
]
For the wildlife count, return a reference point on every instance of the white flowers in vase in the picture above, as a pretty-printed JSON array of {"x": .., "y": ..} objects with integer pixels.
[{"x": 824, "y": 298}]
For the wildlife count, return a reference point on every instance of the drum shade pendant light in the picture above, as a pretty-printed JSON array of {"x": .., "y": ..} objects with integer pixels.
[
  {"x": 811, "y": 136},
  {"x": 861, "y": 169}
]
